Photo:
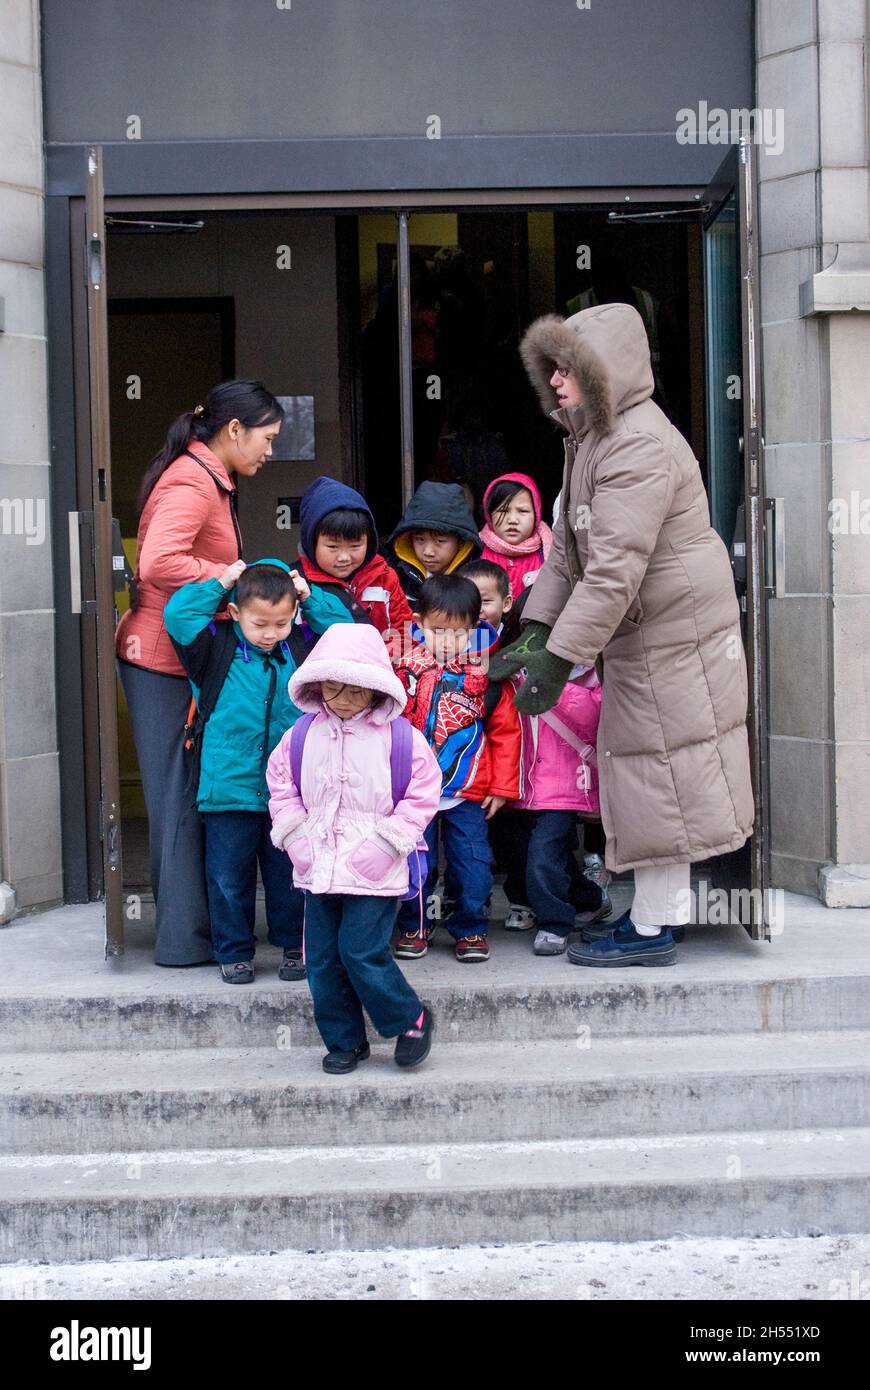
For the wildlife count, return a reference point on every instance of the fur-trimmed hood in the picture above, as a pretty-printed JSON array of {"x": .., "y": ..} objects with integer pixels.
[
  {"x": 608, "y": 351},
  {"x": 355, "y": 654}
]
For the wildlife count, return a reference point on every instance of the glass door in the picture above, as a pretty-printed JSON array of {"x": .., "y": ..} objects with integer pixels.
[{"x": 736, "y": 485}]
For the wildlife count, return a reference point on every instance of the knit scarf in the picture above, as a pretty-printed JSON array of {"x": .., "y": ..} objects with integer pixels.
[{"x": 540, "y": 539}]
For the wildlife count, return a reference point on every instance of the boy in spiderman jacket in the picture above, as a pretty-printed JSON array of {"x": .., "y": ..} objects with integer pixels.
[{"x": 473, "y": 729}]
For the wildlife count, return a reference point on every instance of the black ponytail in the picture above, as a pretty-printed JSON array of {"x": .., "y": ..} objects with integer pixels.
[{"x": 247, "y": 401}]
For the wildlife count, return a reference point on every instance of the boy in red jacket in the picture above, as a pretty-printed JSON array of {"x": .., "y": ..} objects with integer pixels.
[
  {"x": 339, "y": 551},
  {"x": 473, "y": 729}
]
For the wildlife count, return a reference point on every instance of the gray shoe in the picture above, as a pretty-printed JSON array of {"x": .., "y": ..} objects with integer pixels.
[
  {"x": 547, "y": 943},
  {"x": 292, "y": 965},
  {"x": 239, "y": 972}
]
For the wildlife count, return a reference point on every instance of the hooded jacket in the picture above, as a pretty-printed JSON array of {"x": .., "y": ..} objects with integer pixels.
[
  {"x": 637, "y": 573},
  {"x": 434, "y": 507},
  {"x": 188, "y": 532},
  {"x": 520, "y": 562},
  {"x": 253, "y": 707},
  {"x": 478, "y": 751},
  {"x": 340, "y": 827},
  {"x": 373, "y": 591},
  {"x": 556, "y": 774}
]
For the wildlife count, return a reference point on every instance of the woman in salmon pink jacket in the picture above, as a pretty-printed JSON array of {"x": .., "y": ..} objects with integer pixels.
[{"x": 188, "y": 532}]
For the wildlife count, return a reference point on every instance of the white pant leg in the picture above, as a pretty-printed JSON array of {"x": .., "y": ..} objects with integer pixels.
[{"x": 661, "y": 896}]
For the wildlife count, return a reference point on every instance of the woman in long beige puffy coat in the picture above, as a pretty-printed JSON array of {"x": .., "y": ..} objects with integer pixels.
[{"x": 637, "y": 575}]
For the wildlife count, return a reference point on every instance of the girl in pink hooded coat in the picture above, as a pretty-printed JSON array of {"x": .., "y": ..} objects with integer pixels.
[
  {"x": 349, "y": 843},
  {"x": 515, "y": 535},
  {"x": 544, "y": 886}
]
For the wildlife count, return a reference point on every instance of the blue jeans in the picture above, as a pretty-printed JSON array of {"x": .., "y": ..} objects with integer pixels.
[
  {"x": 351, "y": 967},
  {"x": 556, "y": 890},
  {"x": 234, "y": 842},
  {"x": 467, "y": 872}
]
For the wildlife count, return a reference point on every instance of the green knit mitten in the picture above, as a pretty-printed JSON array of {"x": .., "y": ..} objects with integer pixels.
[
  {"x": 545, "y": 680},
  {"x": 508, "y": 662}
]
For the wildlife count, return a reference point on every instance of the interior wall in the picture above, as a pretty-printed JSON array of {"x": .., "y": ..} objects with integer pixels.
[{"x": 286, "y": 332}]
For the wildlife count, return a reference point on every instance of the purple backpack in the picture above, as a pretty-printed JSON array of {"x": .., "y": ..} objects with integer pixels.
[{"x": 401, "y": 754}]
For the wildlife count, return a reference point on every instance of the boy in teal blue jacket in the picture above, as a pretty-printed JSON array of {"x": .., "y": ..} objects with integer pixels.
[{"x": 238, "y": 671}]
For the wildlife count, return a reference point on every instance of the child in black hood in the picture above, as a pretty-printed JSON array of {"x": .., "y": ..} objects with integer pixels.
[{"x": 436, "y": 535}]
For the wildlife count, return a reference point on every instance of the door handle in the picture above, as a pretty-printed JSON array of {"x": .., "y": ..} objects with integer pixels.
[
  {"x": 775, "y": 506},
  {"x": 77, "y": 603},
  {"x": 75, "y": 564}
]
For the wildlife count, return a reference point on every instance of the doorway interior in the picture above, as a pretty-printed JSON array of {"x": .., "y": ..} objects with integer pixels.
[{"x": 308, "y": 301}]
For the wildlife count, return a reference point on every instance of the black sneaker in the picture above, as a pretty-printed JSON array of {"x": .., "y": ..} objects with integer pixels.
[
  {"x": 292, "y": 965},
  {"x": 337, "y": 1062},
  {"x": 413, "y": 1046}
]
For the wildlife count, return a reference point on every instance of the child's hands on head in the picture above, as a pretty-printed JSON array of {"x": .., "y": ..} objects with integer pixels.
[
  {"x": 301, "y": 585},
  {"x": 230, "y": 575}
]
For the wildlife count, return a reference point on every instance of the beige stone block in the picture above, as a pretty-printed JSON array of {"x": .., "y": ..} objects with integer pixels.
[
  {"x": 839, "y": 19},
  {"x": 22, "y": 289},
  {"x": 19, "y": 32},
  {"x": 841, "y": 104},
  {"x": 20, "y": 127},
  {"x": 798, "y": 665},
  {"x": 852, "y": 804},
  {"x": 798, "y": 473},
  {"x": 844, "y": 204},
  {"x": 787, "y": 213},
  {"x": 800, "y": 800},
  {"x": 23, "y": 400},
  {"x": 788, "y": 90},
  {"x": 848, "y": 518},
  {"x": 792, "y": 404},
  {"x": 21, "y": 227},
  {"x": 781, "y": 26},
  {"x": 780, "y": 276},
  {"x": 849, "y": 367},
  {"x": 850, "y": 671}
]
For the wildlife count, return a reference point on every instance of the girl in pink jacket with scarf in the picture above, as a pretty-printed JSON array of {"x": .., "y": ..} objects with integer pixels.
[
  {"x": 515, "y": 535},
  {"x": 333, "y": 812}
]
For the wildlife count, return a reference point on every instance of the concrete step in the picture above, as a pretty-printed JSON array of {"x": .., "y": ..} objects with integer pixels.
[
  {"x": 474, "y": 1004},
  {"x": 213, "y": 1202},
  {"x": 197, "y": 1098}
]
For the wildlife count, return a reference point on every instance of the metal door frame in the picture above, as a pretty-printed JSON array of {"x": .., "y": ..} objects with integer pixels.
[{"x": 403, "y": 204}]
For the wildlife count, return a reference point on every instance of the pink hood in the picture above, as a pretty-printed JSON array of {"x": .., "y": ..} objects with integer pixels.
[
  {"x": 355, "y": 654},
  {"x": 340, "y": 827},
  {"x": 521, "y": 562}
]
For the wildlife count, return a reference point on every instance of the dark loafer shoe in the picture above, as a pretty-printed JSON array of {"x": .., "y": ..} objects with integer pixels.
[
  {"x": 591, "y": 931},
  {"x": 624, "y": 946},
  {"x": 337, "y": 1062}
]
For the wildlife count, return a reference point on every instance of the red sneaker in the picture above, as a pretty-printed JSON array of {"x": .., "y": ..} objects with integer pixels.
[
  {"x": 472, "y": 948},
  {"x": 412, "y": 944}
]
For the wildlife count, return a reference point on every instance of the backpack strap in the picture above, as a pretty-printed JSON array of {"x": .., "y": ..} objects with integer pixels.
[
  {"x": 586, "y": 750},
  {"x": 301, "y": 641},
  {"x": 491, "y": 697},
  {"x": 401, "y": 758},
  {"x": 297, "y": 747}
]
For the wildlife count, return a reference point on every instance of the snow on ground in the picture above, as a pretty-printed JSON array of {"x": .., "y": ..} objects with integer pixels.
[{"x": 826, "y": 1267}]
